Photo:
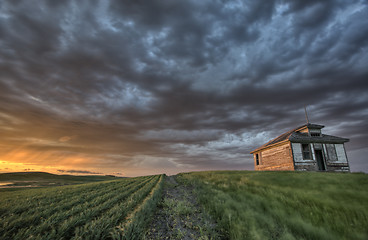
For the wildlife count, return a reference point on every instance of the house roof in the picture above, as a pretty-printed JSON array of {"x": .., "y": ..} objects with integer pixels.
[
  {"x": 303, "y": 137},
  {"x": 296, "y": 136}
]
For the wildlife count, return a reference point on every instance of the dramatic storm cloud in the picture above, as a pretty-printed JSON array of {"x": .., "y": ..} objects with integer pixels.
[{"x": 144, "y": 87}]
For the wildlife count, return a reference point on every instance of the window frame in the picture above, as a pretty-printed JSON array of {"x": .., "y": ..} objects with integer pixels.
[
  {"x": 304, "y": 152},
  {"x": 331, "y": 152}
]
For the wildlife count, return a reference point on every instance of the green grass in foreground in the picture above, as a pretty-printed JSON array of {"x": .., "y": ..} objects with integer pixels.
[
  {"x": 285, "y": 205},
  {"x": 102, "y": 210}
]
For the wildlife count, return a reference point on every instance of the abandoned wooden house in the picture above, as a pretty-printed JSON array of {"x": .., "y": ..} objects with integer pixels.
[{"x": 303, "y": 149}]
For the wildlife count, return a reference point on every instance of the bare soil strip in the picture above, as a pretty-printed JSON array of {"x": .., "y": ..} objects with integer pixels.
[{"x": 179, "y": 216}]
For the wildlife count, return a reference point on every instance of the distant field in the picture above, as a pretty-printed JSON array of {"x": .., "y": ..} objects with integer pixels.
[
  {"x": 284, "y": 205},
  {"x": 117, "y": 209},
  {"x": 15, "y": 181}
]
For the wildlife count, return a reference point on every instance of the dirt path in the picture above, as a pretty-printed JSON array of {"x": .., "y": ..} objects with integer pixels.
[{"x": 179, "y": 216}]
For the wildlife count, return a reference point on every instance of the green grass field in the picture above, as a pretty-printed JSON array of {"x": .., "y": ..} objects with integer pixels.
[
  {"x": 101, "y": 210},
  {"x": 237, "y": 205},
  {"x": 284, "y": 205},
  {"x": 16, "y": 181}
]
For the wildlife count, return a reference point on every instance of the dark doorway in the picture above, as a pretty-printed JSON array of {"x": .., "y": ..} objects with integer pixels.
[{"x": 319, "y": 159}]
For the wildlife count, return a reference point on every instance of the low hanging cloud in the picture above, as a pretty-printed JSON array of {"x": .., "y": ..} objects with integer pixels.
[
  {"x": 65, "y": 138},
  {"x": 78, "y": 171},
  {"x": 193, "y": 85},
  {"x": 28, "y": 169}
]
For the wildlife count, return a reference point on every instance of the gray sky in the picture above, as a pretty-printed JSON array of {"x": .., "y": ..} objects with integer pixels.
[{"x": 144, "y": 87}]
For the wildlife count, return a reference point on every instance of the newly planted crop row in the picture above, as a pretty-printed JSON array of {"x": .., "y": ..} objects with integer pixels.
[
  {"x": 101, "y": 228},
  {"x": 39, "y": 222},
  {"x": 136, "y": 222},
  {"x": 71, "y": 197},
  {"x": 78, "y": 212},
  {"x": 42, "y": 210},
  {"x": 30, "y": 199}
]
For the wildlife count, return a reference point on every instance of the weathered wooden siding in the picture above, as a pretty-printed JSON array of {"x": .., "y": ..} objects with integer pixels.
[
  {"x": 304, "y": 130},
  {"x": 277, "y": 158},
  {"x": 300, "y": 163}
]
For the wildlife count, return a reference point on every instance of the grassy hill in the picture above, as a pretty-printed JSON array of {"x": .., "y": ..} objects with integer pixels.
[
  {"x": 284, "y": 205},
  {"x": 43, "y": 179}
]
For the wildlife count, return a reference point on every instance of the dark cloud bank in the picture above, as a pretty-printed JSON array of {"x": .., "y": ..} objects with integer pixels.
[{"x": 180, "y": 85}]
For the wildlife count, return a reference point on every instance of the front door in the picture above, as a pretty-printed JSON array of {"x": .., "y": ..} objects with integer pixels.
[{"x": 320, "y": 161}]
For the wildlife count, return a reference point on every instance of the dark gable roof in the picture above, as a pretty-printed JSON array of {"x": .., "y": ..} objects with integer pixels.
[
  {"x": 305, "y": 138},
  {"x": 296, "y": 136}
]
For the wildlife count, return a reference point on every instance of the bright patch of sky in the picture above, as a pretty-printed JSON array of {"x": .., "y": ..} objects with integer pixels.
[{"x": 124, "y": 95}]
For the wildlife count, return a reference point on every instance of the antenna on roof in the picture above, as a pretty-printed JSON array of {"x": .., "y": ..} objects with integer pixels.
[{"x": 306, "y": 114}]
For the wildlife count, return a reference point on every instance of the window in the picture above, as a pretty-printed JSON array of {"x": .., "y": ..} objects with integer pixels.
[
  {"x": 331, "y": 152},
  {"x": 257, "y": 159},
  {"x": 315, "y": 132},
  {"x": 306, "y": 151}
]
